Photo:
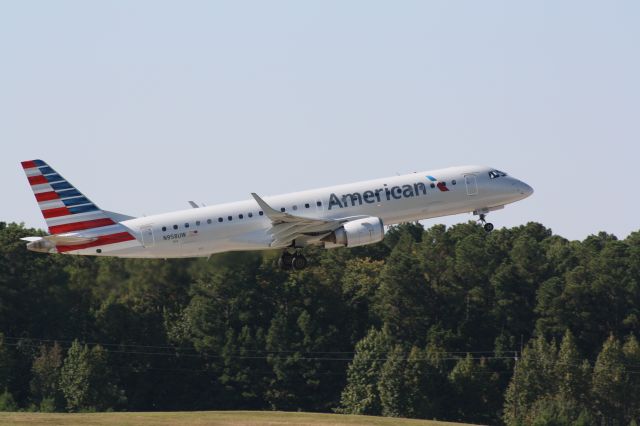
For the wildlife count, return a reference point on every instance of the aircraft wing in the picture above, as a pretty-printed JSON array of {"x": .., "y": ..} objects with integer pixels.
[{"x": 286, "y": 227}]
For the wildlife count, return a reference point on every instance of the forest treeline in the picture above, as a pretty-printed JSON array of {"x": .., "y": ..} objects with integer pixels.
[{"x": 518, "y": 326}]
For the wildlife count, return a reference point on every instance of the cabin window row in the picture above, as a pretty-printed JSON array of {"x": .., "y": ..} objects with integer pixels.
[
  {"x": 306, "y": 206},
  {"x": 241, "y": 216},
  {"x": 210, "y": 221}
]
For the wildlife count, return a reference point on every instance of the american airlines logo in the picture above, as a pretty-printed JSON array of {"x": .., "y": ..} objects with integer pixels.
[{"x": 386, "y": 192}]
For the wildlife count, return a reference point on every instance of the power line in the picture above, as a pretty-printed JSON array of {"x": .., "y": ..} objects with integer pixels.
[
  {"x": 274, "y": 355},
  {"x": 270, "y": 356},
  {"x": 24, "y": 341}
]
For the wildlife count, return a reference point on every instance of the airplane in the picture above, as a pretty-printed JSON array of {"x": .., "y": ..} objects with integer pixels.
[{"x": 348, "y": 215}]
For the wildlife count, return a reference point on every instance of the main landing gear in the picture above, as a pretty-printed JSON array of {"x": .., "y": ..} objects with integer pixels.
[
  {"x": 295, "y": 261},
  {"x": 486, "y": 225}
]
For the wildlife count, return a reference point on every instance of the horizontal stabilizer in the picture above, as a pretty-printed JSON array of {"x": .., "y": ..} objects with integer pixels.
[
  {"x": 67, "y": 240},
  {"x": 47, "y": 244}
]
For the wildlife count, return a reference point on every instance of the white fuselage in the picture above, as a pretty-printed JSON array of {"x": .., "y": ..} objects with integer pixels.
[{"x": 242, "y": 226}]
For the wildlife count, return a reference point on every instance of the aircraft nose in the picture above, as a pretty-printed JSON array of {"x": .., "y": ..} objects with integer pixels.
[{"x": 523, "y": 188}]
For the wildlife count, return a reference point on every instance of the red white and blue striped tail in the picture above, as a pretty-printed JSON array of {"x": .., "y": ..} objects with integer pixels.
[{"x": 67, "y": 211}]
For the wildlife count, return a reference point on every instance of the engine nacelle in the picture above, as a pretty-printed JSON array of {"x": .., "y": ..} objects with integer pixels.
[{"x": 356, "y": 233}]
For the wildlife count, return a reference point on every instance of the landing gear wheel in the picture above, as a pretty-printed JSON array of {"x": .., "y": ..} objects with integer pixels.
[
  {"x": 486, "y": 225},
  {"x": 299, "y": 262},
  {"x": 285, "y": 261}
]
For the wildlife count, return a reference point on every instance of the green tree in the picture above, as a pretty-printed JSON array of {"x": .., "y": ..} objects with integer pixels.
[
  {"x": 573, "y": 373},
  {"x": 86, "y": 381},
  {"x": 631, "y": 350},
  {"x": 5, "y": 364},
  {"x": 534, "y": 378},
  {"x": 361, "y": 394},
  {"x": 360, "y": 284},
  {"x": 394, "y": 392},
  {"x": 304, "y": 334},
  {"x": 404, "y": 298},
  {"x": 45, "y": 382},
  {"x": 413, "y": 230},
  {"x": 75, "y": 377},
  {"x": 240, "y": 374},
  {"x": 7, "y": 402},
  {"x": 515, "y": 283},
  {"x": 609, "y": 383},
  {"x": 475, "y": 390},
  {"x": 426, "y": 387}
]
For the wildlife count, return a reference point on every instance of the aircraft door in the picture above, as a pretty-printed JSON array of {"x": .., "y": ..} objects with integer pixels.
[
  {"x": 147, "y": 236},
  {"x": 472, "y": 184}
]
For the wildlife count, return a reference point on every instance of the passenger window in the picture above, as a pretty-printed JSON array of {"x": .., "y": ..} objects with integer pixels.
[
  {"x": 433, "y": 185},
  {"x": 260, "y": 212},
  {"x": 186, "y": 225},
  {"x": 209, "y": 221},
  {"x": 282, "y": 209},
  {"x": 164, "y": 228},
  {"x": 250, "y": 214},
  {"x": 240, "y": 216},
  {"x": 306, "y": 205},
  {"x": 319, "y": 203},
  {"x": 197, "y": 223},
  {"x": 453, "y": 182},
  {"x": 230, "y": 218},
  {"x": 175, "y": 226},
  {"x": 295, "y": 207},
  {"x": 219, "y": 219}
]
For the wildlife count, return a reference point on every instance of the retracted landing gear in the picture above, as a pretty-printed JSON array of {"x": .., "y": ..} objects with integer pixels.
[
  {"x": 295, "y": 261},
  {"x": 486, "y": 225}
]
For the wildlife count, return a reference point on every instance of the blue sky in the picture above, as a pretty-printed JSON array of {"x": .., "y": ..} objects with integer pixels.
[{"x": 144, "y": 105}]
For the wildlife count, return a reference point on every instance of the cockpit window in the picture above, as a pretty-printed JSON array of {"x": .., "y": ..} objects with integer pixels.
[{"x": 493, "y": 174}]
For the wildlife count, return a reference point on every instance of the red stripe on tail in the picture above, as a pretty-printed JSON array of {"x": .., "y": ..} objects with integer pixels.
[
  {"x": 37, "y": 180},
  {"x": 28, "y": 164},
  {"x": 47, "y": 196},
  {"x": 78, "y": 226},
  {"x": 58, "y": 211},
  {"x": 101, "y": 241}
]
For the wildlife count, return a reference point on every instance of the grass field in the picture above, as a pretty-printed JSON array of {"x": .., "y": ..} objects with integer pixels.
[{"x": 208, "y": 418}]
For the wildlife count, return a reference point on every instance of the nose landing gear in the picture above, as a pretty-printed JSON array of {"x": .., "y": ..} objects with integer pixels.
[
  {"x": 295, "y": 261},
  {"x": 486, "y": 225}
]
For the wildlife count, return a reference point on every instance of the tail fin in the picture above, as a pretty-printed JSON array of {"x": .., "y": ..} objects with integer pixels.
[{"x": 65, "y": 209}]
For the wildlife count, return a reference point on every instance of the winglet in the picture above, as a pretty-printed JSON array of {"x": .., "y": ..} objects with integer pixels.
[{"x": 268, "y": 210}]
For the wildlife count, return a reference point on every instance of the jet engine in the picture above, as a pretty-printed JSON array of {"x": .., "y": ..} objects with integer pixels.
[{"x": 356, "y": 233}]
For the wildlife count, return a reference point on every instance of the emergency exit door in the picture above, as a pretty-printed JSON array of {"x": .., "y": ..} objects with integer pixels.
[{"x": 147, "y": 236}]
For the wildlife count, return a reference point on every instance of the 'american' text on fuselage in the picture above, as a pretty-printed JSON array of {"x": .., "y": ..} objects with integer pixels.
[{"x": 374, "y": 196}]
